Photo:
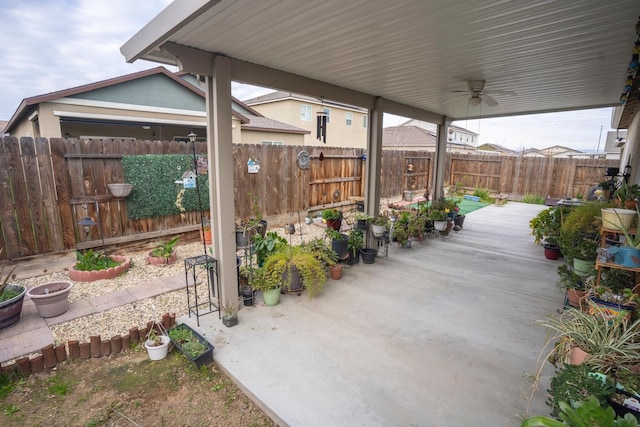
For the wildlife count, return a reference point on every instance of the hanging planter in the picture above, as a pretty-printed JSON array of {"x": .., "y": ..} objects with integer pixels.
[{"x": 120, "y": 190}]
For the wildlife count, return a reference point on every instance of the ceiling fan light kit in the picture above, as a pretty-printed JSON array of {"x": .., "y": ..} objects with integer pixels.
[{"x": 477, "y": 95}]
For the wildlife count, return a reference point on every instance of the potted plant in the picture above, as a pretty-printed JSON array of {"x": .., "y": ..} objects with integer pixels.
[
  {"x": 205, "y": 231},
  {"x": 96, "y": 265},
  {"x": 439, "y": 218},
  {"x": 606, "y": 343},
  {"x": 51, "y": 299},
  {"x": 268, "y": 282},
  {"x": 354, "y": 244},
  {"x": 245, "y": 230},
  {"x": 323, "y": 252},
  {"x": 333, "y": 217},
  {"x": 11, "y": 298},
  {"x": 576, "y": 383},
  {"x": 164, "y": 253},
  {"x": 157, "y": 344},
  {"x": 628, "y": 255},
  {"x": 296, "y": 268},
  {"x": 191, "y": 344},
  {"x": 574, "y": 285},
  {"x": 257, "y": 214},
  {"x": 339, "y": 243},
  {"x": 379, "y": 225},
  {"x": 362, "y": 220},
  {"x": 245, "y": 277},
  {"x": 545, "y": 229},
  {"x": 579, "y": 236},
  {"x": 626, "y": 195},
  {"x": 230, "y": 313}
]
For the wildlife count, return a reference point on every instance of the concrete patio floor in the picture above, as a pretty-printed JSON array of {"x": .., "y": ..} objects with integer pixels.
[{"x": 441, "y": 334}]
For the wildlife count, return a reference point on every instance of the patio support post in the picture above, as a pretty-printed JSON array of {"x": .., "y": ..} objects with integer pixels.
[
  {"x": 374, "y": 159},
  {"x": 439, "y": 166},
  {"x": 220, "y": 148}
]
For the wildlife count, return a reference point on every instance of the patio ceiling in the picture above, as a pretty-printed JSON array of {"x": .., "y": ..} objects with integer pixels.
[{"x": 557, "y": 55}]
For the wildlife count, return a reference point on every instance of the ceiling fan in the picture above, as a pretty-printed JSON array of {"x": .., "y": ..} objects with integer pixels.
[{"x": 477, "y": 94}]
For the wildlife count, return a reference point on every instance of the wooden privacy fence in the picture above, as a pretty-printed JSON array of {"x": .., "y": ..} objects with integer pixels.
[{"x": 47, "y": 187}]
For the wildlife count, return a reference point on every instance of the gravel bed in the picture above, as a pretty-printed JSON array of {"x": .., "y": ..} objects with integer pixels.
[{"x": 119, "y": 320}]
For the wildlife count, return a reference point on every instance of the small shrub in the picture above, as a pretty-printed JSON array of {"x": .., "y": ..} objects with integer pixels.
[
  {"x": 534, "y": 199},
  {"x": 484, "y": 194},
  {"x": 575, "y": 384}
]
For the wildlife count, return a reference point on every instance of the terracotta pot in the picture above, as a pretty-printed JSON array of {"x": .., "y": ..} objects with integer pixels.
[
  {"x": 205, "y": 236},
  {"x": 575, "y": 297},
  {"x": 577, "y": 356},
  {"x": 335, "y": 271}
]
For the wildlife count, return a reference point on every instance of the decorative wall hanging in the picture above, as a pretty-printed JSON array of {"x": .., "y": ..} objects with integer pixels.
[{"x": 304, "y": 160}]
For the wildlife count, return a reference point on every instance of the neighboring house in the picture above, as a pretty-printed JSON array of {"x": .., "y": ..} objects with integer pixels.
[
  {"x": 154, "y": 104},
  {"x": 455, "y": 134},
  {"x": 405, "y": 137},
  {"x": 496, "y": 149},
  {"x": 554, "y": 151},
  {"x": 346, "y": 124},
  {"x": 615, "y": 143},
  {"x": 3, "y": 124}
]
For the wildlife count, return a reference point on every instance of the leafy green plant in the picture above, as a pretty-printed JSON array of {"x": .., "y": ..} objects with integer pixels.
[
  {"x": 437, "y": 215},
  {"x": 534, "y": 199},
  {"x": 321, "y": 251},
  {"x": 272, "y": 273},
  {"x": 484, "y": 194},
  {"x": 610, "y": 342},
  {"x": 587, "y": 413},
  {"x": 331, "y": 214},
  {"x": 545, "y": 226},
  {"x": 568, "y": 279},
  {"x": 579, "y": 232},
  {"x": 191, "y": 345},
  {"x": 265, "y": 246},
  {"x": 92, "y": 260},
  {"x": 355, "y": 242},
  {"x": 165, "y": 250},
  {"x": 575, "y": 383},
  {"x": 7, "y": 294},
  {"x": 155, "y": 192},
  {"x": 333, "y": 234}
]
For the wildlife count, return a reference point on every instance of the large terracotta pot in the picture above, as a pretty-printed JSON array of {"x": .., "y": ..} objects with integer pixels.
[{"x": 576, "y": 297}]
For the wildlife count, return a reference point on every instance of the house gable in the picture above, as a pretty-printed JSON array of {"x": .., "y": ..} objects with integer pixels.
[{"x": 154, "y": 91}]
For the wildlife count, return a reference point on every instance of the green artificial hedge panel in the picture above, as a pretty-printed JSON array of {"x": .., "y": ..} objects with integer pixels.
[{"x": 155, "y": 192}]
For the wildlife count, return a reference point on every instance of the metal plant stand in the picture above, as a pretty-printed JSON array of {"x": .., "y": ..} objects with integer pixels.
[{"x": 199, "y": 271}]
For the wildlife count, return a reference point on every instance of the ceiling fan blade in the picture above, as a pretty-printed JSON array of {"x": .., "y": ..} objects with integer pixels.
[
  {"x": 489, "y": 100},
  {"x": 501, "y": 92}
]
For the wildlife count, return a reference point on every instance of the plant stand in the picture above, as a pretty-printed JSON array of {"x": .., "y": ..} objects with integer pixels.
[{"x": 200, "y": 305}]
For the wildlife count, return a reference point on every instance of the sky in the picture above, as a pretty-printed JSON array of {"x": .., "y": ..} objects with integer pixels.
[{"x": 51, "y": 45}]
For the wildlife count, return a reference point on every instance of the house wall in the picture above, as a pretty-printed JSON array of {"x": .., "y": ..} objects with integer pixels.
[
  {"x": 257, "y": 137},
  {"x": 338, "y": 133}
]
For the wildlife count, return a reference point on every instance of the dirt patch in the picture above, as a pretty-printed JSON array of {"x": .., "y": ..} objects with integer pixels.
[{"x": 128, "y": 389}]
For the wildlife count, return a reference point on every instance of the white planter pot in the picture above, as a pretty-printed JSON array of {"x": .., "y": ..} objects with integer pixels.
[
  {"x": 378, "y": 230},
  {"x": 158, "y": 352},
  {"x": 440, "y": 225}
]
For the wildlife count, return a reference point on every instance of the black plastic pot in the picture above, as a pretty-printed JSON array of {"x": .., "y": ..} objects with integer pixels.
[
  {"x": 247, "y": 296},
  {"x": 361, "y": 224},
  {"x": 459, "y": 220},
  {"x": 340, "y": 246},
  {"x": 354, "y": 258},
  {"x": 368, "y": 255}
]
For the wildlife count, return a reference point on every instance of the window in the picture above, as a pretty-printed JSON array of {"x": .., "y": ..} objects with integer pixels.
[
  {"x": 365, "y": 119},
  {"x": 328, "y": 113},
  {"x": 305, "y": 112},
  {"x": 349, "y": 118},
  {"x": 272, "y": 143}
]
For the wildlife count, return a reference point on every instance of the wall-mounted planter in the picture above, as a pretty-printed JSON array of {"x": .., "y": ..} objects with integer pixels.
[
  {"x": 109, "y": 273},
  {"x": 120, "y": 190},
  {"x": 51, "y": 299}
]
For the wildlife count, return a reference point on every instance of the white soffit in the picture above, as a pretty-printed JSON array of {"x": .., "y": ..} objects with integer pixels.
[{"x": 557, "y": 55}]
